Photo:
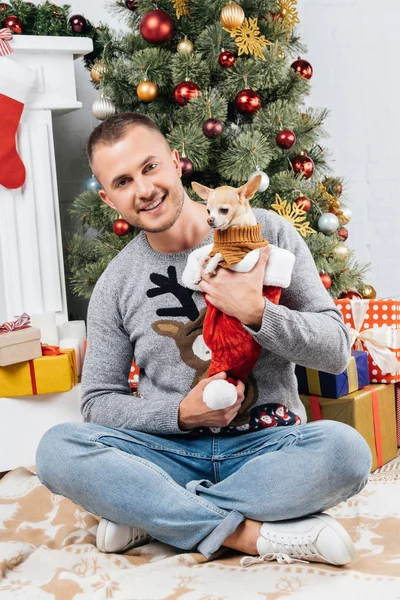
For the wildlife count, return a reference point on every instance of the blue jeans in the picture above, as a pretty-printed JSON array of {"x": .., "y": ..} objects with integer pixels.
[{"x": 192, "y": 493}]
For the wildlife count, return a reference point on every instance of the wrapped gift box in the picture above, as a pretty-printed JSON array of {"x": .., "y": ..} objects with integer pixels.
[
  {"x": 19, "y": 346},
  {"x": 45, "y": 375},
  {"x": 375, "y": 327},
  {"x": 319, "y": 383},
  {"x": 371, "y": 411}
]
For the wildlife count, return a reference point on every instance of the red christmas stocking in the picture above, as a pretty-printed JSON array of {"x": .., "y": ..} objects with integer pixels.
[
  {"x": 233, "y": 349},
  {"x": 15, "y": 83}
]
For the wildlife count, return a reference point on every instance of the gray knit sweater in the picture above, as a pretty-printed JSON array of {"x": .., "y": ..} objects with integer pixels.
[{"x": 140, "y": 308}]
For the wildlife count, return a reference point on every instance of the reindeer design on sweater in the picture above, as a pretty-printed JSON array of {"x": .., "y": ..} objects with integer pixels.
[{"x": 188, "y": 337}]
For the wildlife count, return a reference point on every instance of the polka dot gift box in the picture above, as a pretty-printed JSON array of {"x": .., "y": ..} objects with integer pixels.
[{"x": 375, "y": 327}]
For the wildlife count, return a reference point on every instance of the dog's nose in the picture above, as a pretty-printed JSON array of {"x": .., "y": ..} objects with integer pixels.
[{"x": 210, "y": 220}]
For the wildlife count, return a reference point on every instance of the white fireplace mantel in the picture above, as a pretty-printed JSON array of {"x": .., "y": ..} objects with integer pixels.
[{"x": 31, "y": 256}]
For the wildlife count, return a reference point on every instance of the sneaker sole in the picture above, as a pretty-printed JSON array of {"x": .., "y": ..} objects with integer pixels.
[
  {"x": 344, "y": 536},
  {"x": 101, "y": 540}
]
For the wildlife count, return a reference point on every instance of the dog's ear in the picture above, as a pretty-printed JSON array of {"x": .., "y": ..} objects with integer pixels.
[
  {"x": 247, "y": 191},
  {"x": 201, "y": 190}
]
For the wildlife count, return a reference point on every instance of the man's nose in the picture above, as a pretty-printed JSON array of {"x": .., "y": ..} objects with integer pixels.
[{"x": 144, "y": 187}]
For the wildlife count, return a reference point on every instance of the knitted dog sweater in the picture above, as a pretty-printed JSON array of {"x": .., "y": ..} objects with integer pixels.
[{"x": 234, "y": 243}]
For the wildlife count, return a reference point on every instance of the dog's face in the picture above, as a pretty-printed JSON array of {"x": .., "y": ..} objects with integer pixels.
[{"x": 225, "y": 204}]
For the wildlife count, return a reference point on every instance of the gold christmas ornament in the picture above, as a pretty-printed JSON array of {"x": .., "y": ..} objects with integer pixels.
[
  {"x": 333, "y": 205},
  {"x": 248, "y": 39},
  {"x": 232, "y": 16},
  {"x": 103, "y": 108},
  {"x": 181, "y": 8},
  {"x": 288, "y": 12},
  {"x": 367, "y": 291},
  {"x": 294, "y": 214},
  {"x": 97, "y": 71},
  {"x": 185, "y": 46},
  {"x": 147, "y": 90},
  {"x": 340, "y": 251}
]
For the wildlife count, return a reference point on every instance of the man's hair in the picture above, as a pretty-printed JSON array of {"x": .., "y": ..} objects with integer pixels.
[{"x": 115, "y": 128}]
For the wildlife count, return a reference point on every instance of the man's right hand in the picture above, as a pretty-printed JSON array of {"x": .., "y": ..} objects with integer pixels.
[{"x": 193, "y": 412}]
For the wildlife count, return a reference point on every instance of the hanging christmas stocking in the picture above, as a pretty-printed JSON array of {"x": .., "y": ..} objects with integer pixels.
[{"x": 16, "y": 81}]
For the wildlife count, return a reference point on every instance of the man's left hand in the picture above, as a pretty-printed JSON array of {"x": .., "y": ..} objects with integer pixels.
[{"x": 238, "y": 294}]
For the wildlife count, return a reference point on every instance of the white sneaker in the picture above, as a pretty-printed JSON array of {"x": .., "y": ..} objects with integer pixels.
[
  {"x": 318, "y": 538},
  {"x": 112, "y": 537}
]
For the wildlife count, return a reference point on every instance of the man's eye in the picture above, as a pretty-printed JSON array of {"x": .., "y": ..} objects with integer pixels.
[
  {"x": 224, "y": 211},
  {"x": 152, "y": 165},
  {"x": 122, "y": 182}
]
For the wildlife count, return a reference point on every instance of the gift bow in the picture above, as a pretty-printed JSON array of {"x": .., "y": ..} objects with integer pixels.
[
  {"x": 377, "y": 340},
  {"x": 23, "y": 321},
  {"x": 5, "y": 37}
]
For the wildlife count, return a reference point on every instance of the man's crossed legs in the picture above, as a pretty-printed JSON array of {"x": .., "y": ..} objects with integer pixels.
[{"x": 251, "y": 492}]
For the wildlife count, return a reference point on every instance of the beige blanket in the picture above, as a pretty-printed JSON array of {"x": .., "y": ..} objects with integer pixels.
[{"x": 48, "y": 552}]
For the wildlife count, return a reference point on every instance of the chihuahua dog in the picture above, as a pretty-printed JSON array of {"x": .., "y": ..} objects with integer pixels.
[{"x": 230, "y": 207}]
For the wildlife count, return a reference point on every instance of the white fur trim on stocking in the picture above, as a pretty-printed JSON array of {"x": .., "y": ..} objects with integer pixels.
[{"x": 219, "y": 393}]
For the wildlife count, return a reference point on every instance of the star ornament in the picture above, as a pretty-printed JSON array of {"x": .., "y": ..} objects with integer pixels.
[
  {"x": 288, "y": 12},
  {"x": 248, "y": 38},
  {"x": 294, "y": 214}
]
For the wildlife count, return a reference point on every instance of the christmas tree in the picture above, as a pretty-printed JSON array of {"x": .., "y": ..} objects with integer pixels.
[{"x": 226, "y": 84}]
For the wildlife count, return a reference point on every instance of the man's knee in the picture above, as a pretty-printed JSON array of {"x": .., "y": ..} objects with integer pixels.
[
  {"x": 53, "y": 451},
  {"x": 351, "y": 452}
]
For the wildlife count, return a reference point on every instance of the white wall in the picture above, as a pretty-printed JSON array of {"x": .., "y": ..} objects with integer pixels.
[{"x": 351, "y": 45}]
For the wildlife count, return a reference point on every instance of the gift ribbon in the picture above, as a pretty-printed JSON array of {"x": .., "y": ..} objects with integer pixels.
[
  {"x": 376, "y": 340},
  {"x": 377, "y": 424},
  {"x": 314, "y": 383},
  {"x": 20, "y": 323},
  {"x": 5, "y": 37}
]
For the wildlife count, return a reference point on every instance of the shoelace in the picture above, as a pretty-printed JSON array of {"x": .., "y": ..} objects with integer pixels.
[
  {"x": 280, "y": 557},
  {"x": 283, "y": 552}
]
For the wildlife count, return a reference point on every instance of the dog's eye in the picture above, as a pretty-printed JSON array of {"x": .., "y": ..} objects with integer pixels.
[
  {"x": 208, "y": 211},
  {"x": 224, "y": 211}
]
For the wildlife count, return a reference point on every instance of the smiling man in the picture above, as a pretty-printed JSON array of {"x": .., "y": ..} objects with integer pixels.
[{"x": 255, "y": 477}]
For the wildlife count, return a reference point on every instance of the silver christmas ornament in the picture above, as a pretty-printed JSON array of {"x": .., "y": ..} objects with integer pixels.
[
  {"x": 103, "y": 108},
  {"x": 264, "y": 180},
  {"x": 328, "y": 223},
  {"x": 348, "y": 213},
  {"x": 340, "y": 251}
]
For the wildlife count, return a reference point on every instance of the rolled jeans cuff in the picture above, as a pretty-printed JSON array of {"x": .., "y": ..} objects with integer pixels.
[{"x": 215, "y": 539}]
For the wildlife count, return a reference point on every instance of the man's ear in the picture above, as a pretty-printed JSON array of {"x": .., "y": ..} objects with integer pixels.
[
  {"x": 247, "y": 191},
  {"x": 106, "y": 199},
  {"x": 176, "y": 161},
  {"x": 201, "y": 190}
]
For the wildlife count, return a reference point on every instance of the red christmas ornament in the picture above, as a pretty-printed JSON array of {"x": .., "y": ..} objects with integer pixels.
[
  {"x": 121, "y": 227},
  {"x": 303, "y": 202},
  {"x": 78, "y": 23},
  {"x": 248, "y": 102},
  {"x": 227, "y": 59},
  {"x": 343, "y": 233},
  {"x": 156, "y": 26},
  {"x": 185, "y": 91},
  {"x": 212, "y": 128},
  {"x": 13, "y": 23},
  {"x": 350, "y": 295},
  {"x": 4, "y": 7},
  {"x": 326, "y": 280},
  {"x": 285, "y": 139},
  {"x": 303, "y": 164},
  {"x": 131, "y": 4},
  {"x": 187, "y": 166},
  {"x": 303, "y": 67}
]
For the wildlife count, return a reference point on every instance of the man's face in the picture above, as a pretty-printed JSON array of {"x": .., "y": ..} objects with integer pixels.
[{"x": 137, "y": 172}]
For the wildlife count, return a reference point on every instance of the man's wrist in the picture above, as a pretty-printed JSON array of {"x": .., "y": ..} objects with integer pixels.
[{"x": 254, "y": 320}]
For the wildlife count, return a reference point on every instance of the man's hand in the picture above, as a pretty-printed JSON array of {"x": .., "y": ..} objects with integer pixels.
[
  {"x": 193, "y": 412},
  {"x": 238, "y": 294}
]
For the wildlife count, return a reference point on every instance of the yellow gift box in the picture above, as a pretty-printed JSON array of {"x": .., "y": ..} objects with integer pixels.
[
  {"x": 371, "y": 411},
  {"x": 44, "y": 375}
]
